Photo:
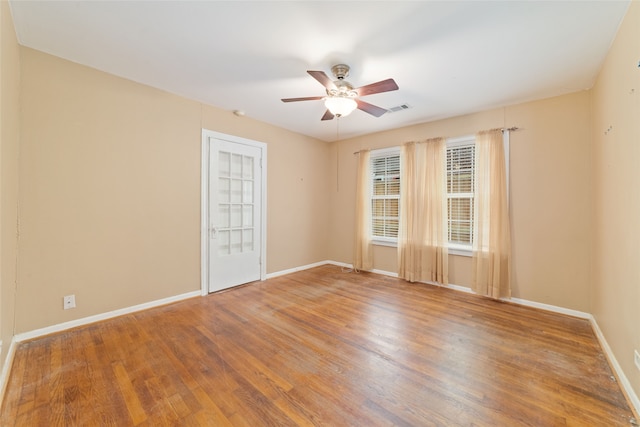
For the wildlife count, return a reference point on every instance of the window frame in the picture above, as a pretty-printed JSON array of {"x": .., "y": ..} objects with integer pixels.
[
  {"x": 377, "y": 154},
  {"x": 458, "y": 248}
]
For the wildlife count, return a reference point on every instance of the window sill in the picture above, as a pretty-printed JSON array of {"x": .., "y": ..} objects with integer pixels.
[
  {"x": 384, "y": 243},
  {"x": 452, "y": 250},
  {"x": 460, "y": 252}
]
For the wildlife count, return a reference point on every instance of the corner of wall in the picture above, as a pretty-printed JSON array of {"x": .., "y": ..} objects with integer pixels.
[{"x": 10, "y": 83}]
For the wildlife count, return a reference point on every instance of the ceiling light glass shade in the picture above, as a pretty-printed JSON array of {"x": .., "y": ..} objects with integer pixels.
[{"x": 340, "y": 106}]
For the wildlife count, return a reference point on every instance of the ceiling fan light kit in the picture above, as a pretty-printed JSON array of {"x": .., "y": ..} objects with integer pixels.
[
  {"x": 341, "y": 97},
  {"x": 340, "y": 106}
]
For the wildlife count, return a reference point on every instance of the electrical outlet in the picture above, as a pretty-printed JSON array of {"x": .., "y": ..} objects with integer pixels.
[
  {"x": 69, "y": 302},
  {"x": 636, "y": 358}
]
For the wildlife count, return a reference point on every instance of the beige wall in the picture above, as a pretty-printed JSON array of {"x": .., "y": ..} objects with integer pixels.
[
  {"x": 9, "y": 144},
  {"x": 110, "y": 192},
  {"x": 615, "y": 295},
  {"x": 550, "y": 202}
]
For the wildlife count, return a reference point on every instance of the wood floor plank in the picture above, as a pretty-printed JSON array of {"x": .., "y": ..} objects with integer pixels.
[
  {"x": 56, "y": 393},
  {"x": 210, "y": 413},
  {"x": 320, "y": 347},
  {"x": 134, "y": 406}
]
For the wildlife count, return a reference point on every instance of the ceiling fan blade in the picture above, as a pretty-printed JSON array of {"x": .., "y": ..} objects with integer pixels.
[
  {"x": 381, "y": 86},
  {"x": 328, "y": 115},
  {"x": 322, "y": 78},
  {"x": 308, "y": 98},
  {"x": 370, "y": 108}
]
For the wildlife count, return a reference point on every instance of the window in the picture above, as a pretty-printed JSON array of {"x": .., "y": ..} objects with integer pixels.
[
  {"x": 460, "y": 188},
  {"x": 385, "y": 195}
]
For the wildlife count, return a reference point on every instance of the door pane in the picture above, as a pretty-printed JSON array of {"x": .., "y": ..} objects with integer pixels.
[
  {"x": 223, "y": 216},
  {"x": 223, "y": 190},
  {"x": 247, "y": 216},
  {"x": 247, "y": 192},
  {"x": 236, "y": 166},
  {"x": 236, "y": 216},
  {"x": 247, "y": 167},
  {"x": 224, "y": 160},
  {"x": 236, "y": 191}
]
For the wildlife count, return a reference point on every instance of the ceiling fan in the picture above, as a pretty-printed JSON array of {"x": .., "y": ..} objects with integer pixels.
[{"x": 342, "y": 98}]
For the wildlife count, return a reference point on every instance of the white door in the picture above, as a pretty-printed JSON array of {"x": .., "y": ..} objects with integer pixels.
[{"x": 235, "y": 207}]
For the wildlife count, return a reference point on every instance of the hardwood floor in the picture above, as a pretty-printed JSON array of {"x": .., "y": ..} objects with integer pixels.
[{"x": 320, "y": 347}]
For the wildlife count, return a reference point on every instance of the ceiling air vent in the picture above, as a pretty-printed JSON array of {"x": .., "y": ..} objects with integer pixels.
[{"x": 399, "y": 108}]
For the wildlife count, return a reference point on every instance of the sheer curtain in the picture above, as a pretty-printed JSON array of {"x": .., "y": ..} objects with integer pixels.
[
  {"x": 422, "y": 239},
  {"x": 491, "y": 236},
  {"x": 362, "y": 257}
]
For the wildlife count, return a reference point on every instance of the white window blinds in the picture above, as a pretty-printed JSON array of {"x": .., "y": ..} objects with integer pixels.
[
  {"x": 460, "y": 191},
  {"x": 385, "y": 197}
]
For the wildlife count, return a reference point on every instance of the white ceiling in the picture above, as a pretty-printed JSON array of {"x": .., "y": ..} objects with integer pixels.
[{"x": 449, "y": 57}]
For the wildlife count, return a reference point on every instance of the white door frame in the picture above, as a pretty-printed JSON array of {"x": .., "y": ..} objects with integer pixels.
[{"x": 204, "y": 204}]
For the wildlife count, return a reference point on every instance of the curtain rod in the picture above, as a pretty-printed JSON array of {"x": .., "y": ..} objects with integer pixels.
[{"x": 511, "y": 129}]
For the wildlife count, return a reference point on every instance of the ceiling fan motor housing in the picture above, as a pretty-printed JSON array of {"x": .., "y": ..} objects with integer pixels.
[
  {"x": 340, "y": 71},
  {"x": 343, "y": 88}
]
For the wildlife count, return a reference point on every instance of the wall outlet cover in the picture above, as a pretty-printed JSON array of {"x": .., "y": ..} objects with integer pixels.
[
  {"x": 636, "y": 359},
  {"x": 69, "y": 301}
]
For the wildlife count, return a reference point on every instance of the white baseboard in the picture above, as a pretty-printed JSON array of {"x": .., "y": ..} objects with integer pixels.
[
  {"x": 339, "y": 264},
  {"x": 6, "y": 369},
  {"x": 103, "y": 316},
  {"x": 624, "y": 381},
  {"x": 385, "y": 273},
  {"x": 466, "y": 289},
  {"x": 548, "y": 307},
  {"x": 301, "y": 268}
]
